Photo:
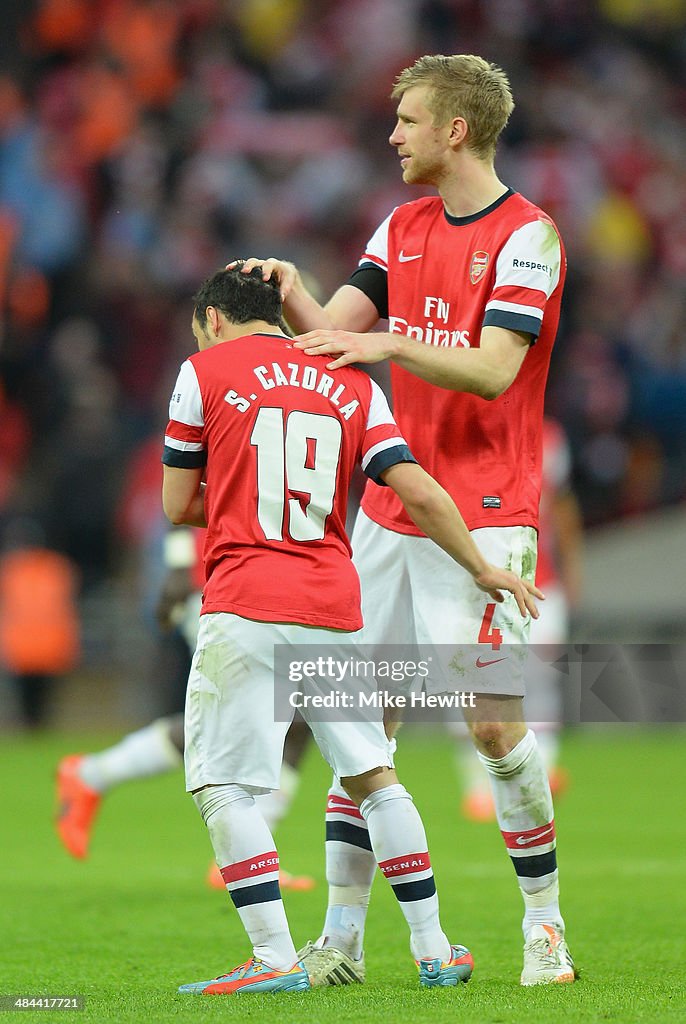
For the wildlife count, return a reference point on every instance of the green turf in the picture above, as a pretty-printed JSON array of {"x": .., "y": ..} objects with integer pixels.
[{"x": 127, "y": 926}]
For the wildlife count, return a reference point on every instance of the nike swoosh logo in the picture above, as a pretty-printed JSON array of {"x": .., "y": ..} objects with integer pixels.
[
  {"x": 482, "y": 664},
  {"x": 406, "y": 259},
  {"x": 526, "y": 840}
]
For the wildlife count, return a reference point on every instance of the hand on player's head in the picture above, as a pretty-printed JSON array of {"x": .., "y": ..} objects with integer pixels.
[
  {"x": 256, "y": 272},
  {"x": 280, "y": 270}
]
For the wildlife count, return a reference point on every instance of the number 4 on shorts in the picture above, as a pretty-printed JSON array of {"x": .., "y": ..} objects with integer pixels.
[{"x": 488, "y": 634}]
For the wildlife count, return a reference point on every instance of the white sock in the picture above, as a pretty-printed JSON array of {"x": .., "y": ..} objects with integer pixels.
[
  {"x": 245, "y": 852},
  {"x": 543, "y": 907},
  {"x": 524, "y": 808},
  {"x": 149, "y": 751},
  {"x": 399, "y": 843},
  {"x": 350, "y": 870}
]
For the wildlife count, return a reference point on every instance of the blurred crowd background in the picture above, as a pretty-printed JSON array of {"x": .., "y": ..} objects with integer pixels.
[{"x": 144, "y": 143}]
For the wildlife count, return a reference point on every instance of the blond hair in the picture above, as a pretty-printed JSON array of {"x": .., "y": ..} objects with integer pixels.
[{"x": 467, "y": 86}]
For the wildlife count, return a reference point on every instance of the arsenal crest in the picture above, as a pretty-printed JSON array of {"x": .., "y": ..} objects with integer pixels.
[{"x": 478, "y": 266}]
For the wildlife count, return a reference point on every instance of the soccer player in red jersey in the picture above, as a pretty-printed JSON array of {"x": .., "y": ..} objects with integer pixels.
[
  {"x": 260, "y": 447},
  {"x": 470, "y": 283},
  {"x": 559, "y": 574}
]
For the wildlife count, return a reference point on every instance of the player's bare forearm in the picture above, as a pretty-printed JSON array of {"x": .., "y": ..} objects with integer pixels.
[
  {"x": 348, "y": 347},
  {"x": 301, "y": 309},
  {"x": 348, "y": 309},
  {"x": 486, "y": 371},
  {"x": 456, "y": 369},
  {"x": 183, "y": 496},
  {"x": 433, "y": 510},
  {"x": 194, "y": 514}
]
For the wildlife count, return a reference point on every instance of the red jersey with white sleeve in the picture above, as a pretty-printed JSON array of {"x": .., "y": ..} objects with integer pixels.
[
  {"x": 441, "y": 279},
  {"x": 280, "y": 436}
]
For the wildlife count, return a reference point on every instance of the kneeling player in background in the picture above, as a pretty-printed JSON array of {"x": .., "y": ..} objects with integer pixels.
[{"x": 157, "y": 748}]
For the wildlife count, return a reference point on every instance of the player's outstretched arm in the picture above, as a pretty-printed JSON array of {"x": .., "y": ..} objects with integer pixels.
[
  {"x": 349, "y": 308},
  {"x": 183, "y": 496},
  {"x": 486, "y": 371},
  {"x": 435, "y": 513}
]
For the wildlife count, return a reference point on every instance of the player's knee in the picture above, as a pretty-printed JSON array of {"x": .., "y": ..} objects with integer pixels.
[
  {"x": 212, "y": 799},
  {"x": 359, "y": 787},
  {"x": 496, "y": 739}
]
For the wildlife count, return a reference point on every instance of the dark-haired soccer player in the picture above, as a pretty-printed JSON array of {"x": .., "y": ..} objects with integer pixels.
[
  {"x": 470, "y": 282},
  {"x": 260, "y": 447}
]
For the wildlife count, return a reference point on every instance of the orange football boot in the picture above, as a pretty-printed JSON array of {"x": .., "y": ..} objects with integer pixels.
[
  {"x": 77, "y": 807},
  {"x": 477, "y": 805},
  {"x": 252, "y": 976},
  {"x": 295, "y": 883}
]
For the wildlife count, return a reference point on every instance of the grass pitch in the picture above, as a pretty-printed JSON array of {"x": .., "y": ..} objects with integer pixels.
[{"x": 124, "y": 928}]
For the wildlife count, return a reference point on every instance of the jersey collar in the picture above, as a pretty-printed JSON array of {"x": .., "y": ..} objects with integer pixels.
[{"x": 458, "y": 221}]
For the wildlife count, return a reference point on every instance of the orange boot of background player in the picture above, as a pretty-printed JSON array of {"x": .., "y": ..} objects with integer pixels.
[
  {"x": 77, "y": 807},
  {"x": 295, "y": 883},
  {"x": 477, "y": 803}
]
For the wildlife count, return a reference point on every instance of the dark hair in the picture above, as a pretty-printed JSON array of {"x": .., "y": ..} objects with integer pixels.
[{"x": 240, "y": 297}]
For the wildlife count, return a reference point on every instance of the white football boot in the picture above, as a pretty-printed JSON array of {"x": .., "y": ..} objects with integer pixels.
[
  {"x": 331, "y": 966},
  {"x": 547, "y": 960}
]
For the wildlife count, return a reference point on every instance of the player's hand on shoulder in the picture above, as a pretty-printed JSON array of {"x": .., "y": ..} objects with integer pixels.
[
  {"x": 346, "y": 345},
  {"x": 494, "y": 580},
  {"x": 285, "y": 273}
]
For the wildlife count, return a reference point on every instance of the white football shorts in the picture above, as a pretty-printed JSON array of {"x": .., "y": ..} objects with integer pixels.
[
  {"x": 231, "y": 735},
  {"x": 414, "y": 593}
]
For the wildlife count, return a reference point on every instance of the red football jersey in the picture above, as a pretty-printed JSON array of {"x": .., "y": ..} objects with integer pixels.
[
  {"x": 280, "y": 436},
  {"x": 446, "y": 278}
]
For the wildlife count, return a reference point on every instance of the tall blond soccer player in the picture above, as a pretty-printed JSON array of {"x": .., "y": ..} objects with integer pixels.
[{"x": 470, "y": 282}]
